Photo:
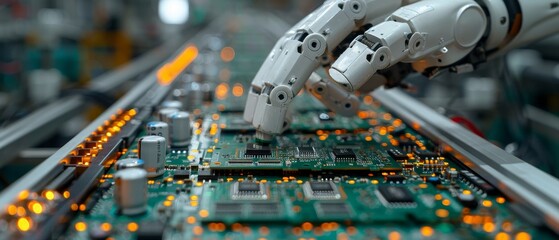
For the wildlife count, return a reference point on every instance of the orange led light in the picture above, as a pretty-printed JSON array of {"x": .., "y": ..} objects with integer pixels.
[
  {"x": 80, "y": 226},
  {"x": 132, "y": 227},
  {"x": 238, "y": 90},
  {"x": 227, "y": 54},
  {"x": 24, "y": 224}
]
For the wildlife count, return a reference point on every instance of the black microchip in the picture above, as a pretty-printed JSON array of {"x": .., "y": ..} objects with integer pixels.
[
  {"x": 181, "y": 174},
  {"x": 397, "y": 154},
  {"x": 395, "y": 178},
  {"x": 249, "y": 187},
  {"x": 425, "y": 154},
  {"x": 343, "y": 154},
  {"x": 150, "y": 230},
  {"x": 395, "y": 194},
  {"x": 206, "y": 174},
  {"x": 321, "y": 187},
  {"x": 253, "y": 149}
]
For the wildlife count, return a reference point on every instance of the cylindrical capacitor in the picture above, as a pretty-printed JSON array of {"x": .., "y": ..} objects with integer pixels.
[
  {"x": 131, "y": 191},
  {"x": 164, "y": 113},
  {"x": 171, "y": 104},
  {"x": 129, "y": 163},
  {"x": 153, "y": 149},
  {"x": 158, "y": 129},
  {"x": 180, "y": 129}
]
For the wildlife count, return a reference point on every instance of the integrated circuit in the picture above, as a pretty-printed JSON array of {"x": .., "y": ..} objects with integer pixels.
[
  {"x": 248, "y": 191},
  {"x": 256, "y": 150},
  {"x": 306, "y": 152},
  {"x": 329, "y": 209},
  {"x": 343, "y": 154},
  {"x": 264, "y": 208},
  {"x": 321, "y": 190},
  {"x": 397, "y": 154},
  {"x": 425, "y": 154},
  {"x": 234, "y": 209},
  {"x": 396, "y": 195},
  {"x": 181, "y": 174}
]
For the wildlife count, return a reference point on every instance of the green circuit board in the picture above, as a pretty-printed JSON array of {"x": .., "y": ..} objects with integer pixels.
[{"x": 372, "y": 176}]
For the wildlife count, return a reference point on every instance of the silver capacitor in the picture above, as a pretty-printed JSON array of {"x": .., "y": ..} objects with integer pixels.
[
  {"x": 129, "y": 163},
  {"x": 131, "y": 190},
  {"x": 180, "y": 131},
  {"x": 157, "y": 128},
  {"x": 164, "y": 113},
  {"x": 153, "y": 149},
  {"x": 171, "y": 104}
]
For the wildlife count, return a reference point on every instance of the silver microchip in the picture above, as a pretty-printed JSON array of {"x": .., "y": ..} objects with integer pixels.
[
  {"x": 321, "y": 190},
  {"x": 249, "y": 191}
]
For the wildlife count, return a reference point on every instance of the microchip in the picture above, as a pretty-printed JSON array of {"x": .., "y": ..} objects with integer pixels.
[
  {"x": 248, "y": 191},
  {"x": 228, "y": 209},
  {"x": 397, "y": 154},
  {"x": 425, "y": 154},
  {"x": 321, "y": 190},
  {"x": 150, "y": 230},
  {"x": 305, "y": 152},
  {"x": 329, "y": 209},
  {"x": 249, "y": 187},
  {"x": 253, "y": 149},
  {"x": 343, "y": 154},
  {"x": 181, "y": 174},
  {"x": 396, "y": 194},
  {"x": 395, "y": 178},
  {"x": 270, "y": 209},
  {"x": 205, "y": 173}
]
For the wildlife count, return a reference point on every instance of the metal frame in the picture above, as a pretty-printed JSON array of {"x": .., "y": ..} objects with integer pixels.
[{"x": 535, "y": 190}]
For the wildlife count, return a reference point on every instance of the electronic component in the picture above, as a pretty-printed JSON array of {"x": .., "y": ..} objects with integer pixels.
[
  {"x": 235, "y": 209},
  {"x": 181, "y": 174},
  {"x": 330, "y": 209},
  {"x": 321, "y": 190},
  {"x": 152, "y": 149},
  {"x": 129, "y": 163},
  {"x": 171, "y": 104},
  {"x": 395, "y": 179},
  {"x": 131, "y": 190},
  {"x": 395, "y": 194},
  {"x": 477, "y": 181},
  {"x": 468, "y": 200},
  {"x": 150, "y": 230},
  {"x": 425, "y": 154},
  {"x": 397, "y": 154},
  {"x": 158, "y": 128},
  {"x": 306, "y": 152},
  {"x": 342, "y": 154},
  {"x": 164, "y": 113},
  {"x": 253, "y": 149},
  {"x": 248, "y": 191},
  {"x": 205, "y": 173},
  {"x": 180, "y": 129}
]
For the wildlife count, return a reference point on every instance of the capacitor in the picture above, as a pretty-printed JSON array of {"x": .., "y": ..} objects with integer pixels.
[
  {"x": 152, "y": 149},
  {"x": 180, "y": 129},
  {"x": 131, "y": 190},
  {"x": 157, "y": 128},
  {"x": 164, "y": 113},
  {"x": 171, "y": 104},
  {"x": 129, "y": 163}
]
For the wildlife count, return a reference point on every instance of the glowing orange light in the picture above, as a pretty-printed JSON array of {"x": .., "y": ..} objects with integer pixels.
[
  {"x": 132, "y": 227},
  {"x": 227, "y": 54},
  {"x": 221, "y": 91},
  {"x": 106, "y": 227},
  {"x": 49, "y": 195},
  {"x": 168, "y": 72},
  {"x": 203, "y": 213},
  {"x": 35, "y": 207},
  {"x": 523, "y": 236},
  {"x": 307, "y": 226},
  {"x": 442, "y": 213},
  {"x": 427, "y": 231},
  {"x": 80, "y": 226},
  {"x": 238, "y": 90},
  {"x": 24, "y": 224}
]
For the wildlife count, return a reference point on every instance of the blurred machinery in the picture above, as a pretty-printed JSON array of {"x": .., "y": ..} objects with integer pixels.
[{"x": 138, "y": 134}]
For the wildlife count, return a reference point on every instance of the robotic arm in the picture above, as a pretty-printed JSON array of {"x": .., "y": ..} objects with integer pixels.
[{"x": 429, "y": 34}]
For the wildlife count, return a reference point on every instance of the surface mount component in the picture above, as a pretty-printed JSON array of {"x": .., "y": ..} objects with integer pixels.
[
  {"x": 248, "y": 191},
  {"x": 321, "y": 190}
]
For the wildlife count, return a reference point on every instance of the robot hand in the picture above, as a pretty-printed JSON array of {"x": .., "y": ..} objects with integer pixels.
[{"x": 428, "y": 34}]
